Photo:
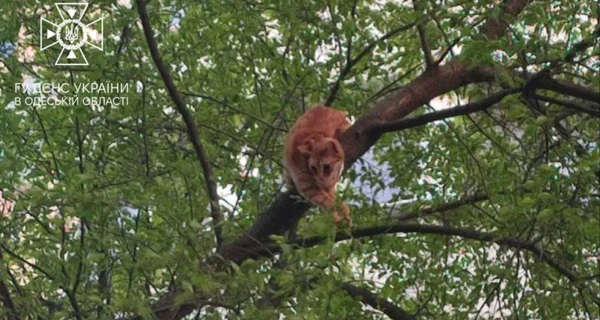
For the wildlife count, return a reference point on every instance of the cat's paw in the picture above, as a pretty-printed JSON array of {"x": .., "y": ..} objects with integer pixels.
[
  {"x": 324, "y": 200},
  {"x": 341, "y": 214}
]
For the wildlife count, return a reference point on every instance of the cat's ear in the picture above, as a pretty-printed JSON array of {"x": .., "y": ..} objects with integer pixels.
[
  {"x": 335, "y": 146},
  {"x": 305, "y": 149}
]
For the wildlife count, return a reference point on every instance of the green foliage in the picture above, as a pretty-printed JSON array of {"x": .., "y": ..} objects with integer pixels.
[{"x": 110, "y": 205}]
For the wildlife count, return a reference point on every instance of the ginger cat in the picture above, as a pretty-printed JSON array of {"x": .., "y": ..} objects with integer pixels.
[{"x": 314, "y": 158}]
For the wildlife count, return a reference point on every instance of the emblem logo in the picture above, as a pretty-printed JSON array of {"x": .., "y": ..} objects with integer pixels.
[{"x": 71, "y": 34}]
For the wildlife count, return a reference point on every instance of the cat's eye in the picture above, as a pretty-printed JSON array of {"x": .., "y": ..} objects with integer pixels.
[
  {"x": 326, "y": 168},
  {"x": 313, "y": 169}
]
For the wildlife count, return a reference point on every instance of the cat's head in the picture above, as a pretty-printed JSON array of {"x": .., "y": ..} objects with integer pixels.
[{"x": 325, "y": 160}]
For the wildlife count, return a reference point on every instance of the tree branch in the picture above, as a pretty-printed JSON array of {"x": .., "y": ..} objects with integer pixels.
[
  {"x": 582, "y": 45},
  {"x": 377, "y": 302},
  {"x": 423, "y": 37},
  {"x": 6, "y": 299},
  {"x": 443, "y": 207},
  {"x": 442, "y": 230},
  {"x": 24, "y": 261},
  {"x": 465, "y": 233},
  {"x": 591, "y": 109},
  {"x": 545, "y": 81},
  {"x": 192, "y": 128},
  {"x": 411, "y": 122},
  {"x": 8, "y": 302}
]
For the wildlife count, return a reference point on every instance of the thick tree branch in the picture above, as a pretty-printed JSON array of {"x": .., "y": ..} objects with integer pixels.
[
  {"x": 192, "y": 128},
  {"x": 411, "y": 122},
  {"x": 377, "y": 302}
]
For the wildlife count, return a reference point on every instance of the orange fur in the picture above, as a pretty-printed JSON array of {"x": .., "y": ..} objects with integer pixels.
[{"x": 314, "y": 158}]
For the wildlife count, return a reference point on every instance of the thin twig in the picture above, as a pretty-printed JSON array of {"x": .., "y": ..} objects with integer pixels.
[
  {"x": 423, "y": 37},
  {"x": 351, "y": 63},
  {"x": 443, "y": 207},
  {"x": 236, "y": 109}
]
